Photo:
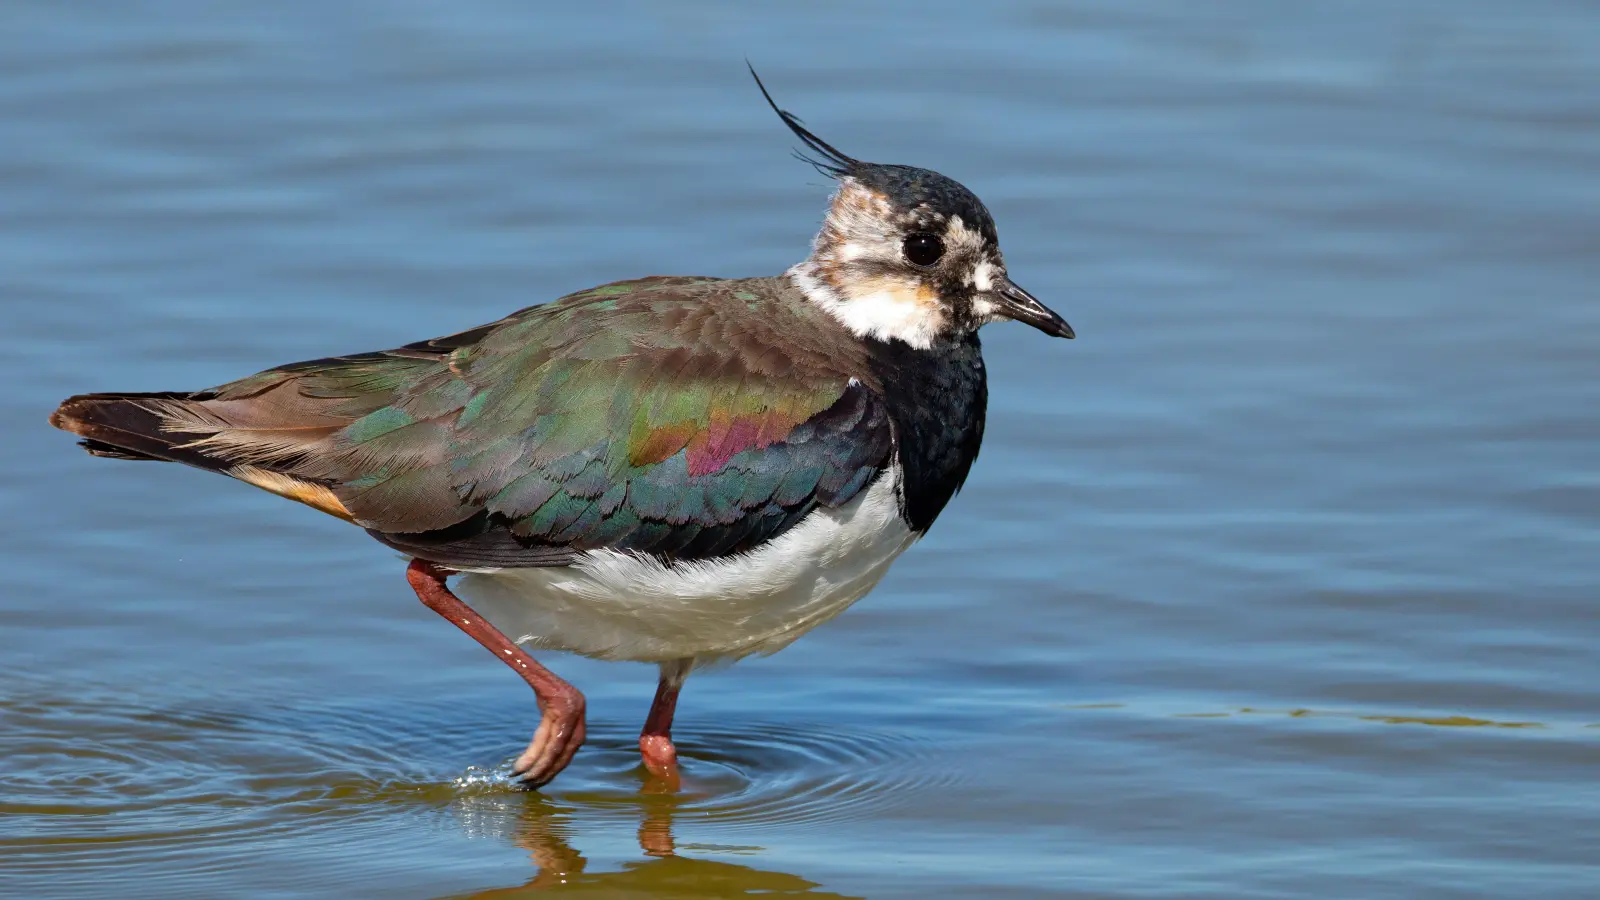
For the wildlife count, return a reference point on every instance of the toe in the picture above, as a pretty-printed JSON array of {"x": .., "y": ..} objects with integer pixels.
[{"x": 561, "y": 732}]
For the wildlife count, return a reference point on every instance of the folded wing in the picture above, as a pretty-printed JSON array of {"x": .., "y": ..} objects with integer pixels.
[{"x": 686, "y": 418}]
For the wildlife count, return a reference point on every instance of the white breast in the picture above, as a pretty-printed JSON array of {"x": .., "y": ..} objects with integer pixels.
[{"x": 619, "y": 606}]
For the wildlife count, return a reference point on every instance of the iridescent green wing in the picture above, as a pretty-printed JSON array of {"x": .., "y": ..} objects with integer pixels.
[{"x": 686, "y": 418}]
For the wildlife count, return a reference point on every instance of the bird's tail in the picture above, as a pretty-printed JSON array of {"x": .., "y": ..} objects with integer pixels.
[
  {"x": 142, "y": 426},
  {"x": 128, "y": 426}
]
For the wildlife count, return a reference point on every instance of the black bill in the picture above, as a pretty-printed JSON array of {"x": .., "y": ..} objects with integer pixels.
[{"x": 1015, "y": 303}]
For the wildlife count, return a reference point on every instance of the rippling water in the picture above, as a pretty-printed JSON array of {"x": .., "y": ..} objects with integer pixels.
[{"x": 1280, "y": 581}]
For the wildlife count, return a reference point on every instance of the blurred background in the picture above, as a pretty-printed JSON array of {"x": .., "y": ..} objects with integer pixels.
[{"x": 1279, "y": 581}]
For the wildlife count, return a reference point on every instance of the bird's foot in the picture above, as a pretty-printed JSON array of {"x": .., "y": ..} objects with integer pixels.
[
  {"x": 561, "y": 732},
  {"x": 660, "y": 756}
]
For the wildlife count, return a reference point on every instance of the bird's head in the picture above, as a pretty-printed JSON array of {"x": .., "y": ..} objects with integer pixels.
[{"x": 906, "y": 253}]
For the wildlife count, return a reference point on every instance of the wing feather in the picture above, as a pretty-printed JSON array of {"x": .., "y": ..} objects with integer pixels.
[{"x": 671, "y": 416}]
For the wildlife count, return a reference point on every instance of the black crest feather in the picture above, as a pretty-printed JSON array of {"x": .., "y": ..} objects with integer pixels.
[{"x": 832, "y": 163}]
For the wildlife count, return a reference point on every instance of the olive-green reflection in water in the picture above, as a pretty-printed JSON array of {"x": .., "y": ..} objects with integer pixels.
[
  {"x": 541, "y": 825},
  {"x": 1438, "y": 721},
  {"x": 739, "y": 786}
]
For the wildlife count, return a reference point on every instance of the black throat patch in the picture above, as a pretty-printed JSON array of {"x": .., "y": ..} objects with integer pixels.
[{"x": 936, "y": 400}]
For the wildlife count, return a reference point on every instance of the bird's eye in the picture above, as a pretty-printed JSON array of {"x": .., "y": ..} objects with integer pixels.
[{"x": 924, "y": 249}]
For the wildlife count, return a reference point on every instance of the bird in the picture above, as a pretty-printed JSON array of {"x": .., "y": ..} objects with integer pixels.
[{"x": 679, "y": 470}]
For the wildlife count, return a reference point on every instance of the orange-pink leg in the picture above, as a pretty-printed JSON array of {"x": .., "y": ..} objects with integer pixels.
[
  {"x": 561, "y": 729},
  {"x": 655, "y": 741}
]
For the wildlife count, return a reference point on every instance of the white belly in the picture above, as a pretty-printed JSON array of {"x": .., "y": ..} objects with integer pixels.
[{"x": 620, "y": 606}]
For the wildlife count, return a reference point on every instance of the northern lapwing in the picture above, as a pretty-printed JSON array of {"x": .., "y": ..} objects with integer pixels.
[{"x": 677, "y": 470}]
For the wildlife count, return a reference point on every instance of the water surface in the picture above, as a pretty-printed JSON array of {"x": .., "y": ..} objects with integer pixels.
[{"x": 1279, "y": 581}]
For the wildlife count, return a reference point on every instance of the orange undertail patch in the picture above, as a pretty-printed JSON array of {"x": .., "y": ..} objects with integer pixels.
[{"x": 310, "y": 493}]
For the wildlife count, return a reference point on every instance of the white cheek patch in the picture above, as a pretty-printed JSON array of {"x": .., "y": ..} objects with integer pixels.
[
  {"x": 892, "y": 312},
  {"x": 880, "y": 309}
]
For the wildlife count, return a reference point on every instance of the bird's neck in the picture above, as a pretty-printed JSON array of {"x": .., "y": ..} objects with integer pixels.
[{"x": 932, "y": 381}]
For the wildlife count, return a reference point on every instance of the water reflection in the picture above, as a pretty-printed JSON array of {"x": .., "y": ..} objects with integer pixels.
[
  {"x": 105, "y": 782},
  {"x": 543, "y": 827},
  {"x": 792, "y": 778}
]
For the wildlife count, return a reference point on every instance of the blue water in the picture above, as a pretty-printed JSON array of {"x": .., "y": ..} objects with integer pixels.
[{"x": 1279, "y": 581}]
